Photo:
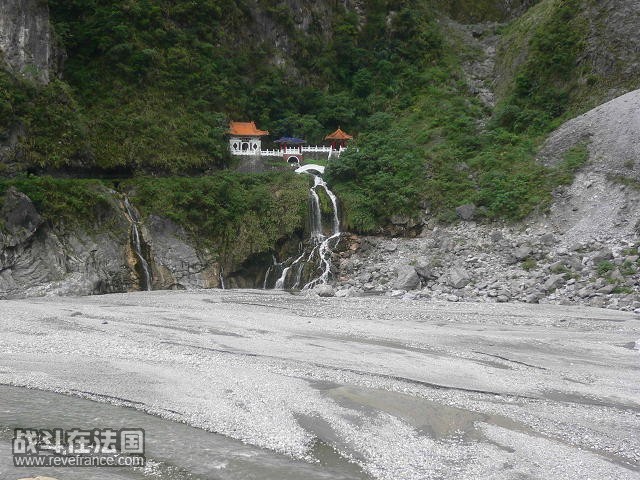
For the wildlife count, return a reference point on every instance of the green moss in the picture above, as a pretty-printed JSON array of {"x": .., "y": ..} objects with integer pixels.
[
  {"x": 628, "y": 268},
  {"x": 234, "y": 215},
  {"x": 65, "y": 202},
  {"x": 475, "y": 11},
  {"x": 56, "y": 129},
  {"x": 573, "y": 160},
  {"x": 604, "y": 268},
  {"x": 623, "y": 290}
]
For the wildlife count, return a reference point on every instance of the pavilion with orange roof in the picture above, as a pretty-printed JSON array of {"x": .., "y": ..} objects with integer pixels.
[
  {"x": 338, "y": 139},
  {"x": 245, "y": 138}
]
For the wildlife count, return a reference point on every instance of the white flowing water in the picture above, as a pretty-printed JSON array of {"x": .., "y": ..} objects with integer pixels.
[
  {"x": 174, "y": 451},
  {"x": 298, "y": 262},
  {"x": 146, "y": 280},
  {"x": 221, "y": 277},
  {"x": 313, "y": 266},
  {"x": 322, "y": 244}
]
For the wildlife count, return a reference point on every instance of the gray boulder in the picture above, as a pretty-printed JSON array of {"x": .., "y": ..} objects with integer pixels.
[
  {"x": 458, "y": 277},
  {"x": 617, "y": 276},
  {"x": 425, "y": 271},
  {"x": 547, "y": 239},
  {"x": 390, "y": 247},
  {"x": 602, "y": 256},
  {"x": 554, "y": 282},
  {"x": 585, "y": 292},
  {"x": 522, "y": 252},
  {"x": 607, "y": 289},
  {"x": 406, "y": 279},
  {"x": 19, "y": 217},
  {"x": 466, "y": 212},
  {"x": 496, "y": 236},
  {"x": 324, "y": 291}
]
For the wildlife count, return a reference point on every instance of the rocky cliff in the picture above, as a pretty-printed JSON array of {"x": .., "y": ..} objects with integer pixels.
[
  {"x": 90, "y": 239},
  {"x": 26, "y": 39},
  {"x": 135, "y": 100},
  {"x": 38, "y": 257},
  {"x": 584, "y": 250}
]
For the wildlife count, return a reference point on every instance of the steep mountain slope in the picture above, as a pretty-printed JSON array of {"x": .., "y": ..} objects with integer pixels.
[
  {"x": 604, "y": 199},
  {"x": 148, "y": 86},
  {"x": 584, "y": 250}
]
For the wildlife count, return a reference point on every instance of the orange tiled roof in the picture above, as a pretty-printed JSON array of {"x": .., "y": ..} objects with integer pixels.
[
  {"x": 246, "y": 129},
  {"x": 338, "y": 135}
]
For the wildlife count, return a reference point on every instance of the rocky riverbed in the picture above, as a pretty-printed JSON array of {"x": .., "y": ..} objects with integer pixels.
[
  {"x": 583, "y": 250},
  {"x": 480, "y": 263},
  {"x": 399, "y": 389}
]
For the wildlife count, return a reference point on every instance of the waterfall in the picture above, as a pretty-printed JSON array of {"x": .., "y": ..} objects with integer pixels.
[
  {"x": 313, "y": 266},
  {"x": 146, "y": 280},
  {"x": 221, "y": 277},
  {"x": 322, "y": 244},
  {"x": 298, "y": 262}
]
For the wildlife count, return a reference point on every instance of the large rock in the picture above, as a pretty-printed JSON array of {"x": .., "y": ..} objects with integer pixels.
[
  {"x": 458, "y": 277},
  {"x": 19, "y": 218},
  {"x": 547, "y": 239},
  {"x": 37, "y": 258},
  {"x": 554, "y": 282},
  {"x": 467, "y": 211},
  {"x": 177, "y": 263},
  {"x": 602, "y": 256},
  {"x": 324, "y": 291},
  {"x": 425, "y": 271},
  {"x": 26, "y": 39},
  {"x": 522, "y": 252},
  {"x": 406, "y": 278}
]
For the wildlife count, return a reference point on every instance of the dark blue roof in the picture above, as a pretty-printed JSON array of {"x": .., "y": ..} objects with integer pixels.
[{"x": 290, "y": 140}]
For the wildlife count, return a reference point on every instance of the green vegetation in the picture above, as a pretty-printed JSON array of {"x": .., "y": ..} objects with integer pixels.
[
  {"x": 573, "y": 160},
  {"x": 430, "y": 151},
  {"x": 604, "y": 268},
  {"x": 150, "y": 85},
  {"x": 235, "y": 215},
  {"x": 57, "y": 132},
  {"x": 623, "y": 289},
  {"x": 529, "y": 264},
  {"x": 628, "y": 268},
  {"x": 64, "y": 202}
]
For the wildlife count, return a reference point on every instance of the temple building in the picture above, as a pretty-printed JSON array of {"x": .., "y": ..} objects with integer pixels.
[
  {"x": 338, "y": 139},
  {"x": 245, "y": 138}
]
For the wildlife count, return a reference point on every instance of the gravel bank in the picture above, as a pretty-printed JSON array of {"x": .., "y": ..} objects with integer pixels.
[{"x": 405, "y": 389}]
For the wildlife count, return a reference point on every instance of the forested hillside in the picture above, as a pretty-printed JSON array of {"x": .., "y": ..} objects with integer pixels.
[{"x": 148, "y": 87}]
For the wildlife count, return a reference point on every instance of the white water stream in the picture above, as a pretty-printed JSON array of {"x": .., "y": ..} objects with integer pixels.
[
  {"x": 146, "y": 280},
  {"x": 316, "y": 257}
]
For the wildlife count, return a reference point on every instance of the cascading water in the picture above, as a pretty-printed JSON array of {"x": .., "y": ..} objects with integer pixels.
[
  {"x": 313, "y": 266},
  {"x": 146, "y": 280},
  {"x": 221, "y": 277}
]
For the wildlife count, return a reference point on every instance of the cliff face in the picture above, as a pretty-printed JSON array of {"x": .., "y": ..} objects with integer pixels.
[
  {"x": 607, "y": 63},
  {"x": 613, "y": 44},
  {"x": 40, "y": 258},
  {"x": 26, "y": 39},
  {"x": 474, "y": 11},
  {"x": 150, "y": 90}
]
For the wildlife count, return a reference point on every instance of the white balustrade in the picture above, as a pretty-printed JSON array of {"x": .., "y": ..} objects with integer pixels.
[{"x": 291, "y": 151}]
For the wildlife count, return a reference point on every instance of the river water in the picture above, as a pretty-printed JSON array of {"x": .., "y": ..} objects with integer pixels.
[{"x": 174, "y": 451}]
